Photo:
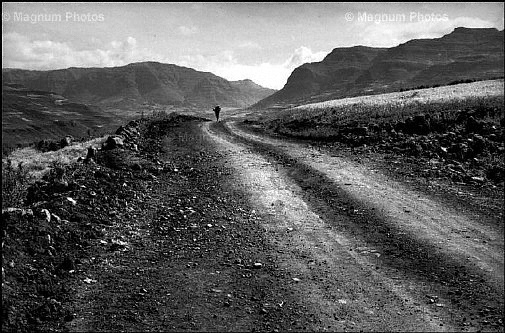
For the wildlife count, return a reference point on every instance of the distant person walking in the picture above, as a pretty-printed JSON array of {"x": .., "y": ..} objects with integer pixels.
[{"x": 217, "y": 109}]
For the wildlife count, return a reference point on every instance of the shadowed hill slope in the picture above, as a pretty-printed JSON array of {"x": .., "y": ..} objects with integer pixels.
[
  {"x": 137, "y": 83},
  {"x": 32, "y": 115}
]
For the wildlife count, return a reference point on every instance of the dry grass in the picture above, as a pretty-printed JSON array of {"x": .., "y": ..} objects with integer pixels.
[
  {"x": 392, "y": 106},
  {"x": 37, "y": 163},
  {"x": 489, "y": 88},
  {"x": 378, "y": 106}
]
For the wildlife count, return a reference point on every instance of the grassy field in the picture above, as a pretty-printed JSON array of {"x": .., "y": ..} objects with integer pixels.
[
  {"x": 37, "y": 163},
  {"x": 453, "y": 92},
  {"x": 442, "y": 104},
  {"x": 393, "y": 105},
  {"x": 25, "y": 166}
]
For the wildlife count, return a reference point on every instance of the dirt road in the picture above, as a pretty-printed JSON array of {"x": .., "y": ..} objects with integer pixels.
[
  {"x": 246, "y": 232},
  {"x": 363, "y": 245}
]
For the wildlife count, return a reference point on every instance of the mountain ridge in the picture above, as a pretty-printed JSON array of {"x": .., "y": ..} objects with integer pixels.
[
  {"x": 465, "y": 53},
  {"x": 141, "y": 82}
]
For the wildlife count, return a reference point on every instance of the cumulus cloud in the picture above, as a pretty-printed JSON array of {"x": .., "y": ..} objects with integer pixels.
[
  {"x": 20, "y": 52},
  {"x": 271, "y": 75},
  {"x": 303, "y": 55}
]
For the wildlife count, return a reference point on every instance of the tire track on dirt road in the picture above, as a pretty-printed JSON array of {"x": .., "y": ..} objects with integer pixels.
[
  {"x": 344, "y": 286},
  {"x": 411, "y": 210},
  {"x": 417, "y": 256}
]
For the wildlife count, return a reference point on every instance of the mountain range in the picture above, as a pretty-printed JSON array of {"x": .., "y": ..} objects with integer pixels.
[
  {"x": 466, "y": 53},
  {"x": 138, "y": 83},
  {"x": 84, "y": 101}
]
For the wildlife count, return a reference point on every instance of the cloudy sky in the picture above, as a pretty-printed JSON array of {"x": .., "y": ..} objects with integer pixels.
[{"x": 263, "y": 42}]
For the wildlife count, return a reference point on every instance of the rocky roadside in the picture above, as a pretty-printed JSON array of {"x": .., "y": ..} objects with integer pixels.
[
  {"x": 147, "y": 233},
  {"x": 455, "y": 155},
  {"x": 463, "y": 145}
]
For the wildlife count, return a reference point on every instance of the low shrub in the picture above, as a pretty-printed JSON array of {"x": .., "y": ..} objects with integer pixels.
[{"x": 15, "y": 181}]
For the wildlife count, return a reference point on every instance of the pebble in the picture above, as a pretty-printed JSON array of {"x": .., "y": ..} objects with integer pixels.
[
  {"x": 46, "y": 214},
  {"x": 72, "y": 201},
  {"x": 56, "y": 217}
]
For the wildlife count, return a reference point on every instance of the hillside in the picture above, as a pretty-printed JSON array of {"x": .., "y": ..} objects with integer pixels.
[
  {"x": 32, "y": 115},
  {"x": 138, "y": 83},
  {"x": 452, "y": 131},
  {"x": 463, "y": 54}
]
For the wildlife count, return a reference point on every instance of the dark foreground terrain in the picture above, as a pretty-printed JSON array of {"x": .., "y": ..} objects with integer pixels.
[
  {"x": 211, "y": 226},
  {"x": 158, "y": 240}
]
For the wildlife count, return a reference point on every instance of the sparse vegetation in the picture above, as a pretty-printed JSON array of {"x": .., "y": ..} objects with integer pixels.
[
  {"x": 395, "y": 103},
  {"x": 443, "y": 105},
  {"x": 37, "y": 163},
  {"x": 327, "y": 123},
  {"x": 15, "y": 181},
  {"x": 449, "y": 84}
]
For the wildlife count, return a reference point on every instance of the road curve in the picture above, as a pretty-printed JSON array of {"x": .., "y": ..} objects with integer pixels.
[{"x": 370, "y": 253}]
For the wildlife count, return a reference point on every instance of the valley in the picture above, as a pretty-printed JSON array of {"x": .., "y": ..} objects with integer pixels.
[{"x": 365, "y": 195}]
